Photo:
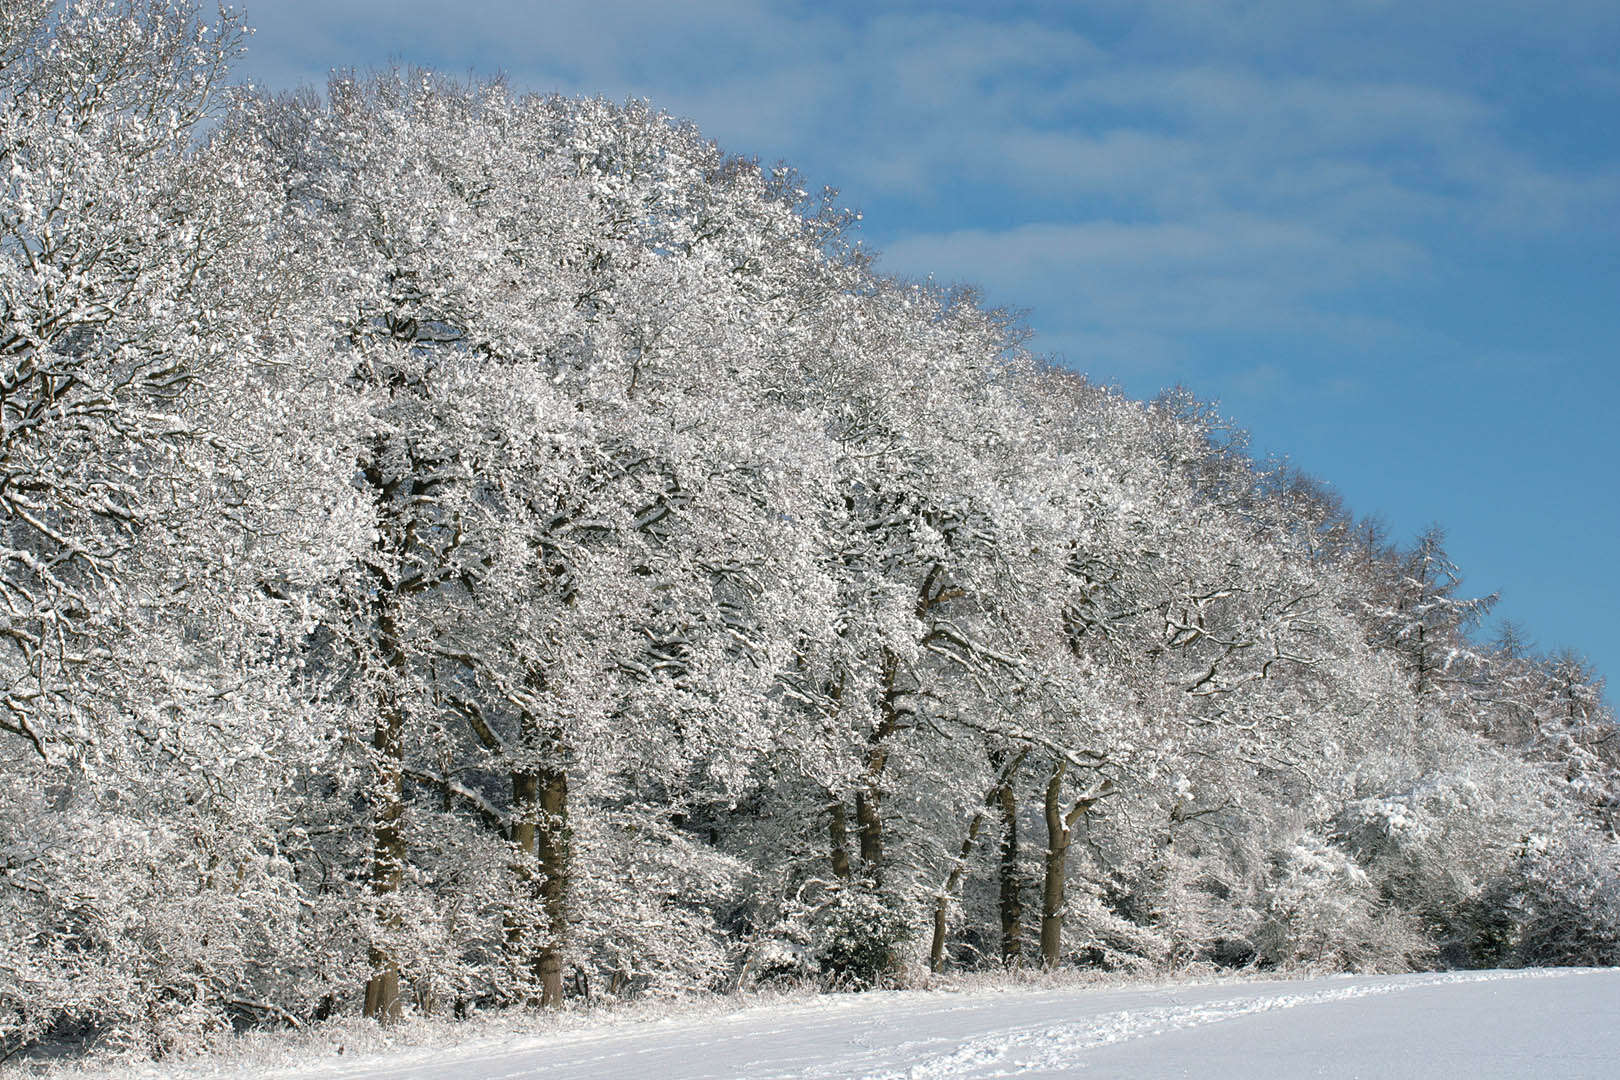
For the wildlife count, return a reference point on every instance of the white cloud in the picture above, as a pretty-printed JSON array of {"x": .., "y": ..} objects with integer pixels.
[{"x": 1219, "y": 272}]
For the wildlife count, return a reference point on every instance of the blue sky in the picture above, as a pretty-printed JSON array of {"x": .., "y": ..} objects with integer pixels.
[{"x": 1385, "y": 236}]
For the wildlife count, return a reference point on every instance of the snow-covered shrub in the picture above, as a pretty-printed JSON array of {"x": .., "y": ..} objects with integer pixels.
[
  {"x": 1323, "y": 911},
  {"x": 1098, "y": 936},
  {"x": 648, "y": 907},
  {"x": 1205, "y": 899},
  {"x": 1558, "y": 904},
  {"x": 1431, "y": 844},
  {"x": 135, "y": 933},
  {"x": 859, "y": 934}
]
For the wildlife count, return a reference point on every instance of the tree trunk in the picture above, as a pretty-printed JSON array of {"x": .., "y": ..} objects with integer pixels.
[
  {"x": 385, "y": 670},
  {"x": 870, "y": 821},
  {"x": 540, "y": 831},
  {"x": 388, "y": 811},
  {"x": 869, "y": 797},
  {"x": 1059, "y": 833},
  {"x": 999, "y": 797},
  {"x": 555, "y": 850},
  {"x": 525, "y": 838},
  {"x": 1012, "y": 885},
  {"x": 1057, "y": 854},
  {"x": 541, "y": 835},
  {"x": 838, "y": 835},
  {"x": 936, "y": 947}
]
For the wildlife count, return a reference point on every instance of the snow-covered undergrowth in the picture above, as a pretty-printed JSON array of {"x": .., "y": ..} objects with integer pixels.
[
  {"x": 354, "y": 1037},
  {"x": 1545, "y": 1023}
]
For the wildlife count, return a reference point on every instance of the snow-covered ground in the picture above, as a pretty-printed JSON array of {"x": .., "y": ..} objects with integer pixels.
[{"x": 1474, "y": 1025}]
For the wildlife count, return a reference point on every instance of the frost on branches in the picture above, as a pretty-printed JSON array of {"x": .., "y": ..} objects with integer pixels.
[{"x": 463, "y": 550}]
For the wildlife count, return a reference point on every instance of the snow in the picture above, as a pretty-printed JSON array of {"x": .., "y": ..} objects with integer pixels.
[{"x": 1479, "y": 1025}]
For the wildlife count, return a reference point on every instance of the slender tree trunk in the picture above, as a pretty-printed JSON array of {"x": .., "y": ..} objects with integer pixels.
[
  {"x": 385, "y": 669},
  {"x": 388, "y": 811},
  {"x": 1012, "y": 885},
  {"x": 936, "y": 947},
  {"x": 998, "y": 798},
  {"x": 541, "y": 834},
  {"x": 869, "y": 797},
  {"x": 1057, "y": 854}
]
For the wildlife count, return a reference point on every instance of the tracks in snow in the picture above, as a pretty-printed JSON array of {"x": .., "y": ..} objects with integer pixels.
[{"x": 1049, "y": 1046}]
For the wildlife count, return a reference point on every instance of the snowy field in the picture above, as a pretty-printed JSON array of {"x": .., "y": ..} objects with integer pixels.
[{"x": 1559, "y": 1023}]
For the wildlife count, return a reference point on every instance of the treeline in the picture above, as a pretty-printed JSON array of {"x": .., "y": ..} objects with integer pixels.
[{"x": 460, "y": 550}]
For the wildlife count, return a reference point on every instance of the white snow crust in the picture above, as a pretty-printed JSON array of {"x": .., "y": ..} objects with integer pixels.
[{"x": 1477, "y": 1025}]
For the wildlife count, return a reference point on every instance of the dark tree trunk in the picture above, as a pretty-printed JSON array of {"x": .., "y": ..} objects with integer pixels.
[
  {"x": 998, "y": 798},
  {"x": 936, "y": 947},
  {"x": 869, "y": 797},
  {"x": 387, "y": 810},
  {"x": 540, "y": 833},
  {"x": 838, "y": 835},
  {"x": 868, "y": 803},
  {"x": 525, "y": 838},
  {"x": 555, "y": 851},
  {"x": 1012, "y": 885}
]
